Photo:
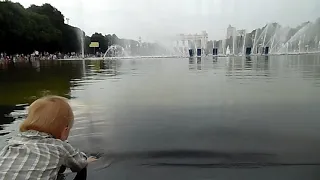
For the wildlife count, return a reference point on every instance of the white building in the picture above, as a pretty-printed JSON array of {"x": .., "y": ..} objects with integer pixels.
[
  {"x": 191, "y": 41},
  {"x": 231, "y": 31}
]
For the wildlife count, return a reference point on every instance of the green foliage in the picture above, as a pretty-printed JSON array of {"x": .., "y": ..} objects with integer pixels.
[
  {"x": 103, "y": 41},
  {"x": 55, "y": 16},
  {"x": 25, "y": 30},
  {"x": 42, "y": 28}
]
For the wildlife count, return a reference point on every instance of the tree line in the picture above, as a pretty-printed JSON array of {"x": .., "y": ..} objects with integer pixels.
[{"x": 42, "y": 28}]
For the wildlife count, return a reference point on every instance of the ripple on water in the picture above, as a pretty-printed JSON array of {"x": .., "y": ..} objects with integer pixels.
[{"x": 160, "y": 109}]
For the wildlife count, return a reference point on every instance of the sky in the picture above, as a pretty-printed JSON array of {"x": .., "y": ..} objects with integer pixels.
[{"x": 154, "y": 20}]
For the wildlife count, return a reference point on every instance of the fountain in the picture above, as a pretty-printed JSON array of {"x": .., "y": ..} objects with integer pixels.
[
  {"x": 272, "y": 39},
  {"x": 284, "y": 40},
  {"x": 299, "y": 45},
  {"x": 255, "y": 41},
  {"x": 298, "y": 40},
  {"x": 315, "y": 43},
  {"x": 261, "y": 40},
  {"x": 244, "y": 44},
  {"x": 228, "y": 51},
  {"x": 279, "y": 38},
  {"x": 234, "y": 38},
  {"x": 115, "y": 51},
  {"x": 223, "y": 47},
  {"x": 265, "y": 35},
  {"x": 82, "y": 47},
  {"x": 81, "y": 39}
]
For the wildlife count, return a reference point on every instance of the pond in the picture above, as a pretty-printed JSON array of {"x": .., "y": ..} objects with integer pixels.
[{"x": 180, "y": 118}]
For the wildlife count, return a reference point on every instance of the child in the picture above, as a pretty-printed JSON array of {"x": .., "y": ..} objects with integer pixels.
[{"x": 40, "y": 150}]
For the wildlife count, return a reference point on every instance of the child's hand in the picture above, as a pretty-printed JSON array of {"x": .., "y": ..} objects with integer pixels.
[{"x": 91, "y": 159}]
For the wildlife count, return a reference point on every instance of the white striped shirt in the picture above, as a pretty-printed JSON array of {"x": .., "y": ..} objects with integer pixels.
[{"x": 36, "y": 155}]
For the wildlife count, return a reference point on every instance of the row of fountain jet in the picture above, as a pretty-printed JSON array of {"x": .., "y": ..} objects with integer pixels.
[{"x": 274, "y": 39}]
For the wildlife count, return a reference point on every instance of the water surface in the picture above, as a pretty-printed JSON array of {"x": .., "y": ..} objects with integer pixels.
[{"x": 202, "y": 118}]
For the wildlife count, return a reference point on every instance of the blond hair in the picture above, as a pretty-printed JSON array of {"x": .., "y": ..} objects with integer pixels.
[{"x": 50, "y": 114}]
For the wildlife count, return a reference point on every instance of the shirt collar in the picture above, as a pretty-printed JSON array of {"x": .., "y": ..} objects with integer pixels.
[{"x": 33, "y": 133}]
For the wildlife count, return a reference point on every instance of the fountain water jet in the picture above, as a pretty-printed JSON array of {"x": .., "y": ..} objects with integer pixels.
[
  {"x": 82, "y": 47},
  {"x": 115, "y": 51},
  {"x": 234, "y": 42},
  {"x": 298, "y": 38},
  {"x": 244, "y": 43},
  {"x": 228, "y": 51},
  {"x": 254, "y": 41},
  {"x": 81, "y": 39},
  {"x": 224, "y": 47}
]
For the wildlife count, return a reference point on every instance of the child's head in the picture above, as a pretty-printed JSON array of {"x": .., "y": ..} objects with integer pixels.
[{"x": 50, "y": 114}]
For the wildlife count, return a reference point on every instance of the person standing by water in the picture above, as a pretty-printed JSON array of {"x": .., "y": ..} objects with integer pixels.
[{"x": 40, "y": 150}]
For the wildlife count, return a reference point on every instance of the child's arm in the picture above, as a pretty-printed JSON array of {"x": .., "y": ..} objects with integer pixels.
[{"x": 74, "y": 159}]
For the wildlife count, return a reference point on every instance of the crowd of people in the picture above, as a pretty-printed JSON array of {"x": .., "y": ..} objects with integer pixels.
[
  {"x": 42, "y": 56},
  {"x": 6, "y": 59},
  {"x": 36, "y": 55}
]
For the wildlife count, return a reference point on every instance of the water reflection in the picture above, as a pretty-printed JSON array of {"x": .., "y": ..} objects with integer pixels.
[
  {"x": 191, "y": 60},
  {"x": 23, "y": 82},
  {"x": 248, "y": 67},
  {"x": 215, "y": 59},
  {"x": 5, "y": 118},
  {"x": 199, "y": 60},
  {"x": 102, "y": 67},
  {"x": 226, "y": 104},
  {"x": 202, "y": 63},
  {"x": 191, "y": 63},
  {"x": 199, "y": 63},
  {"x": 248, "y": 63},
  {"x": 309, "y": 66}
]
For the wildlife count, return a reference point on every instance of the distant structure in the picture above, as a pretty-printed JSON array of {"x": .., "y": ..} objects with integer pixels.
[
  {"x": 192, "y": 44},
  {"x": 241, "y": 41},
  {"x": 231, "y": 31},
  {"x": 140, "y": 41},
  {"x": 241, "y": 32}
]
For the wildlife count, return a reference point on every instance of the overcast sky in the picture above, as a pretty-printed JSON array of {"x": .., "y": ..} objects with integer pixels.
[{"x": 157, "y": 19}]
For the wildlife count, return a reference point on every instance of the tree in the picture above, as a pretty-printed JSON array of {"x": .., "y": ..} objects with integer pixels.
[
  {"x": 55, "y": 16},
  {"x": 103, "y": 42},
  {"x": 42, "y": 28}
]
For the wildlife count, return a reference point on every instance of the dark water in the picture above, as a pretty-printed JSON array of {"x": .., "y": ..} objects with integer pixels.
[{"x": 225, "y": 118}]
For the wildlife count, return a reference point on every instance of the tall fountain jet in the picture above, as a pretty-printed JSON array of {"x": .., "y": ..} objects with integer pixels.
[
  {"x": 234, "y": 42},
  {"x": 297, "y": 40},
  {"x": 315, "y": 43},
  {"x": 82, "y": 47},
  {"x": 224, "y": 47},
  {"x": 274, "y": 38},
  {"x": 254, "y": 42},
  {"x": 244, "y": 43},
  {"x": 299, "y": 44},
  {"x": 228, "y": 50},
  {"x": 265, "y": 35},
  {"x": 81, "y": 38}
]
